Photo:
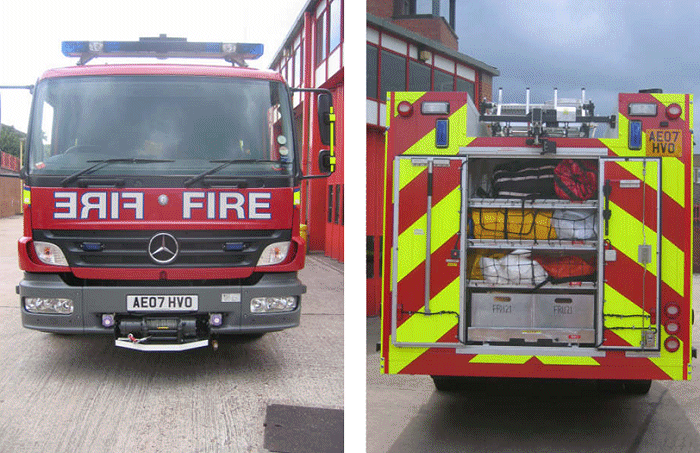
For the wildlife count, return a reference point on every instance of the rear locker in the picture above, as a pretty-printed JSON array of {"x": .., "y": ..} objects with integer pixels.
[
  {"x": 425, "y": 301},
  {"x": 630, "y": 219}
]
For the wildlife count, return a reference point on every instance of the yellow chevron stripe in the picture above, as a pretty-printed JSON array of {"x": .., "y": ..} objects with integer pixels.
[
  {"x": 425, "y": 329},
  {"x": 410, "y": 96},
  {"x": 496, "y": 358},
  {"x": 670, "y": 362},
  {"x": 627, "y": 230},
  {"x": 616, "y": 303},
  {"x": 408, "y": 172},
  {"x": 412, "y": 242},
  {"x": 673, "y": 179},
  {"x": 564, "y": 360},
  {"x": 668, "y": 99}
]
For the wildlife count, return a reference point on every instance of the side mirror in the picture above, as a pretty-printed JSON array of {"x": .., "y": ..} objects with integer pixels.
[
  {"x": 324, "y": 161},
  {"x": 324, "y": 107}
]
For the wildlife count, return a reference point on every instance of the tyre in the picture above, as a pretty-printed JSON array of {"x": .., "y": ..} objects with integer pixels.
[{"x": 637, "y": 386}]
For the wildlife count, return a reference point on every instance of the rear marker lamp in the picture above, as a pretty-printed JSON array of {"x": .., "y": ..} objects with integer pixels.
[
  {"x": 639, "y": 109},
  {"x": 672, "y": 327},
  {"x": 54, "y": 306},
  {"x": 274, "y": 254},
  {"x": 672, "y": 310},
  {"x": 50, "y": 253},
  {"x": 435, "y": 108},
  {"x": 672, "y": 344},
  {"x": 673, "y": 111},
  {"x": 405, "y": 109},
  {"x": 273, "y": 304}
]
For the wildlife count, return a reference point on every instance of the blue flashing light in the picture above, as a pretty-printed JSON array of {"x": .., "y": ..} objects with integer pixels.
[
  {"x": 635, "y": 135},
  {"x": 91, "y": 246},
  {"x": 234, "y": 246},
  {"x": 442, "y": 139},
  {"x": 162, "y": 47}
]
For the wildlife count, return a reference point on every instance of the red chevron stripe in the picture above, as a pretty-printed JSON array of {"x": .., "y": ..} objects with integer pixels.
[
  {"x": 631, "y": 199},
  {"x": 413, "y": 197}
]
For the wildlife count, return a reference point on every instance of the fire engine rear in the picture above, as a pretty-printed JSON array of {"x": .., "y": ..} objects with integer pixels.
[
  {"x": 519, "y": 245},
  {"x": 161, "y": 202}
]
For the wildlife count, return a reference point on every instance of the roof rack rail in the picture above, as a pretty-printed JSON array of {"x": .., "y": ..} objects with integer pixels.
[{"x": 162, "y": 47}]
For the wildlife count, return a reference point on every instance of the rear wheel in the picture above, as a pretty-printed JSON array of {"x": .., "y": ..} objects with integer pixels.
[
  {"x": 447, "y": 383},
  {"x": 637, "y": 386}
]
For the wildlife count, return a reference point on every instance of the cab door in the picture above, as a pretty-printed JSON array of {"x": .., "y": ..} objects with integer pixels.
[{"x": 630, "y": 226}]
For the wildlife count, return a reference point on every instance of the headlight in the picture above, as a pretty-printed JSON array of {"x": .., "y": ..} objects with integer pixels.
[
  {"x": 274, "y": 254},
  {"x": 48, "y": 305},
  {"x": 50, "y": 253},
  {"x": 273, "y": 304}
]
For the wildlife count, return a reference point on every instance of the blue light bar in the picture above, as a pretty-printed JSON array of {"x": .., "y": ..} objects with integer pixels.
[{"x": 162, "y": 47}]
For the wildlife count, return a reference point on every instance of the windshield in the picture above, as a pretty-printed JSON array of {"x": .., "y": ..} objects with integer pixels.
[{"x": 173, "y": 126}]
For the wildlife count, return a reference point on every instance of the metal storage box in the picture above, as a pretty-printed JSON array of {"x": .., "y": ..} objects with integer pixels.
[
  {"x": 564, "y": 310},
  {"x": 501, "y": 310}
]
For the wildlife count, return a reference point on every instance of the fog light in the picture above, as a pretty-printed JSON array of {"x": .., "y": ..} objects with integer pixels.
[
  {"x": 107, "y": 320},
  {"x": 48, "y": 305},
  {"x": 273, "y": 304},
  {"x": 216, "y": 319}
]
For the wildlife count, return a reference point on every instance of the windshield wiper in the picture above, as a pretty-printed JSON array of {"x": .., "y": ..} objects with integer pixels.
[
  {"x": 103, "y": 163},
  {"x": 226, "y": 163}
]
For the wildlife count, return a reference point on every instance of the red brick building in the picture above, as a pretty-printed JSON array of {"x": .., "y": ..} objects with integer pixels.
[
  {"x": 408, "y": 49},
  {"x": 311, "y": 56}
]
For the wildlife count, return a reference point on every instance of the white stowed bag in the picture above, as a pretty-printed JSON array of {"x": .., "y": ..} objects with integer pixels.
[
  {"x": 517, "y": 268},
  {"x": 575, "y": 225}
]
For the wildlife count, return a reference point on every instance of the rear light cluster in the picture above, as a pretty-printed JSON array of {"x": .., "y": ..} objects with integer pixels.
[{"x": 672, "y": 326}]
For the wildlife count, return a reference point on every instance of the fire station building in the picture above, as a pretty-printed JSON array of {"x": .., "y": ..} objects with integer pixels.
[
  {"x": 408, "y": 49},
  {"x": 311, "y": 56}
]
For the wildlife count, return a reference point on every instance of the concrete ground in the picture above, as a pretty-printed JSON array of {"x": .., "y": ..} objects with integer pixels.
[
  {"x": 82, "y": 394},
  {"x": 406, "y": 414}
]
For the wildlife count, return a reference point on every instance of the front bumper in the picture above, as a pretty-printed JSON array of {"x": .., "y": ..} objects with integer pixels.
[{"x": 91, "y": 302}]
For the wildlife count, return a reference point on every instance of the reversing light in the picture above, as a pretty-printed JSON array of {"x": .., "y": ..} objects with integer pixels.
[
  {"x": 405, "y": 109},
  {"x": 216, "y": 319},
  {"x": 673, "y": 111},
  {"x": 641, "y": 109},
  {"x": 435, "y": 108},
  {"x": 672, "y": 344},
  {"x": 672, "y": 328},
  {"x": 672, "y": 310}
]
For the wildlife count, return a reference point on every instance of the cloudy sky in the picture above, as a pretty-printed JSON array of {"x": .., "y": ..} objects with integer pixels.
[
  {"x": 32, "y": 31},
  {"x": 605, "y": 46}
]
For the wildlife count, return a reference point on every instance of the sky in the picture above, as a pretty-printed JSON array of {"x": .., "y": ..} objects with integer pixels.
[
  {"x": 607, "y": 47},
  {"x": 32, "y": 32}
]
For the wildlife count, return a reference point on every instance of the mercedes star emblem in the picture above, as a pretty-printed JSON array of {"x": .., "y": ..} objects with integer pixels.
[{"x": 163, "y": 248}]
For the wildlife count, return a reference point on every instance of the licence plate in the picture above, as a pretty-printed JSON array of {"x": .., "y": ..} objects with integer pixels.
[
  {"x": 664, "y": 143},
  {"x": 166, "y": 302}
]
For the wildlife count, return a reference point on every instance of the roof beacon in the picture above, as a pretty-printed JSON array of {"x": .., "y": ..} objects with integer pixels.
[{"x": 162, "y": 47}]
